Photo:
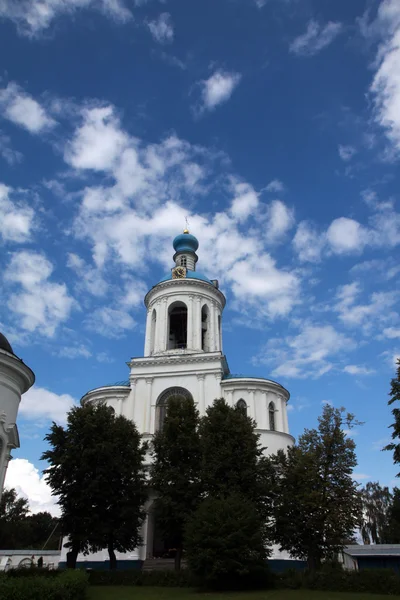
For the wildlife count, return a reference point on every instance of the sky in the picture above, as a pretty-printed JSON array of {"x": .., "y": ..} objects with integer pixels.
[{"x": 273, "y": 126}]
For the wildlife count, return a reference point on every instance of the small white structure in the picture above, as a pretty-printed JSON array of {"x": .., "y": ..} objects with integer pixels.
[
  {"x": 17, "y": 559},
  {"x": 15, "y": 379},
  {"x": 183, "y": 355}
]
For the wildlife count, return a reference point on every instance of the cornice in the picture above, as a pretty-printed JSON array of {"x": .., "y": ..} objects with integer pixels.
[
  {"x": 194, "y": 283},
  {"x": 254, "y": 383},
  {"x": 176, "y": 359}
]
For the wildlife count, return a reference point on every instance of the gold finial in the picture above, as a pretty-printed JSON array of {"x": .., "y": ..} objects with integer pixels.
[{"x": 186, "y": 230}]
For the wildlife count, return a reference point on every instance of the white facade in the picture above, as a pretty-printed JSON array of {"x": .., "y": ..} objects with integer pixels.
[
  {"x": 15, "y": 379},
  {"x": 183, "y": 354}
]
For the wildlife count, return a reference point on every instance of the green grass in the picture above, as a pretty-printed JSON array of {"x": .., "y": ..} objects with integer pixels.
[{"x": 149, "y": 593}]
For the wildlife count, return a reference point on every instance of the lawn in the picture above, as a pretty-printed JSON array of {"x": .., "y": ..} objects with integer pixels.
[{"x": 149, "y": 593}]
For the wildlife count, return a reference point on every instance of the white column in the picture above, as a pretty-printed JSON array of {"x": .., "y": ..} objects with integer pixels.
[
  {"x": 147, "y": 337},
  {"x": 252, "y": 404},
  {"x": 190, "y": 337},
  {"x": 129, "y": 411},
  {"x": 197, "y": 323},
  {"x": 162, "y": 326},
  {"x": 149, "y": 382},
  {"x": 201, "y": 405},
  {"x": 229, "y": 398},
  {"x": 213, "y": 345},
  {"x": 284, "y": 421},
  {"x": 285, "y": 416}
]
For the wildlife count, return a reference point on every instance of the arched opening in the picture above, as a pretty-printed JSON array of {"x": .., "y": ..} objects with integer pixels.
[
  {"x": 242, "y": 406},
  {"x": 162, "y": 403},
  {"x": 205, "y": 329},
  {"x": 271, "y": 412},
  {"x": 25, "y": 563},
  {"x": 153, "y": 331},
  {"x": 177, "y": 329}
]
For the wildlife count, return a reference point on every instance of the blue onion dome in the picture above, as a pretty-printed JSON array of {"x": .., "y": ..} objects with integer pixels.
[{"x": 185, "y": 242}]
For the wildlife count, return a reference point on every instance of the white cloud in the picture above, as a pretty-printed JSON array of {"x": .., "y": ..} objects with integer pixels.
[
  {"x": 218, "y": 88},
  {"x": 308, "y": 243},
  {"x": 79, "y": 351},
  {"x": 307, "y": 354},
  {"x": 41, "y": 405},
  {"x": 391, "y": 333},
  {"x": 368, "y": 315},
  {"x": 346, "y": 235},
  {"x": 245, "y": 201},
  {"x": 17, "y": 218},
  {"x": 275, "y": 186},
  {"x": 316, "y": 38},
  {"x": 110, "y": 322},
  {"x": 20, "y": 108},
  {"x": 40, "y": 304},
  {"x": 89, "y": 278},
  {"x": 360, "y": 476},
  {"x": 25, "y": 478},
  {"x": 34, "y": 16},
  {"x": 12, "y": 157},
  {"x": 280, "y": 219},
  {"x": 162, "y": 29},
  {"x": 346, "y": 153},
  {"x": 358, "y": 370}
]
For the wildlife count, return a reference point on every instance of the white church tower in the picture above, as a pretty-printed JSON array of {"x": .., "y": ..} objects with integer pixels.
[
  {"x": 183, "y": 356},
  {"x": 15, "y": 379}
]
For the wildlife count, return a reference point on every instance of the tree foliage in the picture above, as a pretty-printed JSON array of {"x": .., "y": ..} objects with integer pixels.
[
  {"x": 376, "y": 504},
  {"x": 175, "y": 471},
  {"x": 395, "y": 397},
  {"x": 225, "y": 545},
  {"x": 96, "y": 470},
  {"x": 391, "y": 534},
  {"x": 317, "y": 505}
]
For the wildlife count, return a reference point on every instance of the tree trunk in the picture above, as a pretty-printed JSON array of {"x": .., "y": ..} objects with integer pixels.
[
  {"x": 178, "y": 558},
  {"x": 111, "y": 554},
  {"x": 313, "y": 563},
  {"x": 72, "y": 556}
]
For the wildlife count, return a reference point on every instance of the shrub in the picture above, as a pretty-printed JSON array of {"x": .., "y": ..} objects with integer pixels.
[
  {"x": 69, "y": 585},
  {"x": 134, "y": 577}
]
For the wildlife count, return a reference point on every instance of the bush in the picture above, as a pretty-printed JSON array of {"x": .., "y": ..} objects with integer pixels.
[
  {"x": 134, "y": 577},
  {"x": 69, "y": 585}
]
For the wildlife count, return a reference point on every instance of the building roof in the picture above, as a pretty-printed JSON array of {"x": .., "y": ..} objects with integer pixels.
[
  {"x": 189, "y": 275},
  {"x": 185, "y": 242},
  {"x": 373, "y": 550},
  {"x": 5, "y": 344}
]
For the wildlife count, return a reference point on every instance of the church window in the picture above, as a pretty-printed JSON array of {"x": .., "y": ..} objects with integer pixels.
[
  {"x": 162, "y": 403},
  {"x": 242, "y": 406},
  {"x": 271, "y": 412},
  {"x": 177, "y": 329},
  {"x": 205, "y": 329},
  {"x": 153, "y": 331},
  {"x": 183, "y": 261}
]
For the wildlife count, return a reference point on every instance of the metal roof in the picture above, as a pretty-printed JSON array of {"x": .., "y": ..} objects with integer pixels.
[{"x": 373, "y": 550}]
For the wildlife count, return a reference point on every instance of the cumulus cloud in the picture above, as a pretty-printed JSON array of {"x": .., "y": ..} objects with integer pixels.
[
  {"x": 358, "y": 370},
  {"x": 346, "y": 235},
  {"x": 41, "y": 405},
  {"x": 218, "y": 88},
  {"x": 162, "y": 29},
  {"x": 275, "y": 185},
  {"x": 373, "y": 313},
  {"x": 245, "y": 201},
  {"x": 280, "y": 219},
  {"x": 316, "y": 38},
  {"x": 25, "y": 478},
  {"x": 308, "y": 242},
  {"x": 110, "y": 322},
  {"x": 17, "y": 218},
  {"x": 41, "y": 304},
  {"x": 306, "y": 355},
  {"x": 391, "y": 332},
  {"x": 34, "y": 16},
  {"x": 20, "y": 108}
]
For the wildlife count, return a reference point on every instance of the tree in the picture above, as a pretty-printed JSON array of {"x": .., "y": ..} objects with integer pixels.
[
  {"x": 391, "y": 533},
  {"x": 97, "y": 471},
  {"x": 13, "y": 515},
  {"x": 225, "y": 544},
  {"x": 174, "y": 472},
  {"x": 232, "y": 458},
  {"x": 395, "y": 397},
  {"x": 376, "y": 503},
  {"x": 317, "y": 505}
]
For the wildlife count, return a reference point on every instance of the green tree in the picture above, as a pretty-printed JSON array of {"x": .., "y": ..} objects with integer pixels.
[
  {"x": 97, "y": 471},
  {"x": 43, "y": 532},
  {"x": 395, "y": 397},
  {"x": 232, "y": 457},
  {"x": 317, "y": 504},
  {"x": 225, "y": 544},
  {"x": 174, "y": 473},
  {"x": 391, "y": 534},
  {"x": 376, "y": 503},
  {"x": 13, "y": 516}
]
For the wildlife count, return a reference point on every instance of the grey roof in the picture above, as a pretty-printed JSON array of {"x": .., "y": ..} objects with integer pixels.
[
  {"x": 35, "y": 553},
  {"x": 5, "y": 344},
  {"x": 373, "y": 550}
]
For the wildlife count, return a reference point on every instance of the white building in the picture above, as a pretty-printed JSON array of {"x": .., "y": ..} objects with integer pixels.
[
  {"x": 183, "y": 355},
  {"x": 15, "y": 379}
]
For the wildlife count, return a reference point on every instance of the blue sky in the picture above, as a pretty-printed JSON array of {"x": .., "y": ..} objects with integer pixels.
[{"x": 273, "y": 125}]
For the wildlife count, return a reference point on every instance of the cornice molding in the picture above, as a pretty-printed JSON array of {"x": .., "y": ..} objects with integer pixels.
[
  {"x": 175, "y": 360},
  {"x": 194, "y": 283}
]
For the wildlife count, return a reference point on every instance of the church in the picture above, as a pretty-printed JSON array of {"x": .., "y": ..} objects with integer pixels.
[{"x": 183, "y": 356}]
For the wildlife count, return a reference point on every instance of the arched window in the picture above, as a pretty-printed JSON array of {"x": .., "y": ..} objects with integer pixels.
[
  {"x": 162, "y": 403},
  {"x": 205, "y": 329},
  {"x": 242, "y": 406},
  {"x": 153, "y": 331},
  {"x": 183, "y": 261},
  {"x": 271, "y": 412},
  {"x": 177, "y": 329}
]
